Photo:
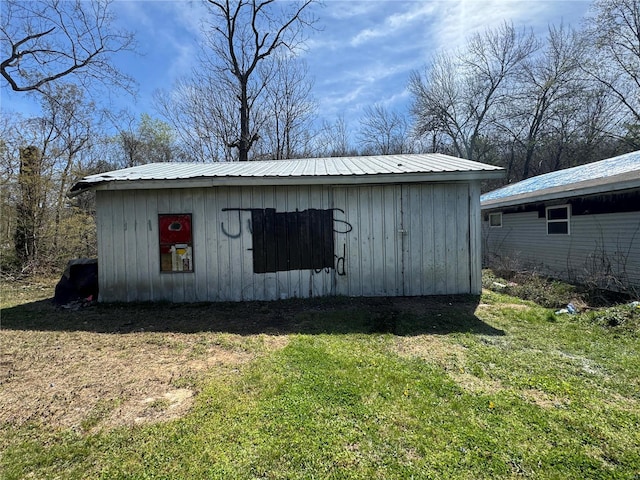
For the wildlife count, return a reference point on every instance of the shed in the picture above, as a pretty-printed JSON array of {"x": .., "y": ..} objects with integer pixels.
[
  {"x": 358, "y": 226},
  {"x": 580, "y": 224}
]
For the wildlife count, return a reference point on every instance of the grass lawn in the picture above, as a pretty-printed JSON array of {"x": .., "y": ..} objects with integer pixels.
[{"x": 335, "y": 388}]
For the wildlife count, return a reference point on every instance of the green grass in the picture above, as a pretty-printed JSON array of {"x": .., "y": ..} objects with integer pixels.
[{"x": 511, "y": 391}]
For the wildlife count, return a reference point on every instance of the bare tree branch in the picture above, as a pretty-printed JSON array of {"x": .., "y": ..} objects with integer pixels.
[
  {"x": 614, "y": 33},
  {"x": 242, "y": 36},
  {"x": 45, "y": 40},
  {"x": 460, "y": 93},
  {"x": 383, "y": 132}
]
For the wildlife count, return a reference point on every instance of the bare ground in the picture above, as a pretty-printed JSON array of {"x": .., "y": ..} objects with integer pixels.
[
  {"x": 86, "y": 380},
  {"x": 110, "y": 365}
]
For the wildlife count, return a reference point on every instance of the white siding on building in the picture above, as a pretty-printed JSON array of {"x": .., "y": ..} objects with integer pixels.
[
  {"x": 371, "y": 250},
  {"x": 436, "y": 252},
  {"x": 394, "y": 239},
  {"x": 605, "y": 244}
]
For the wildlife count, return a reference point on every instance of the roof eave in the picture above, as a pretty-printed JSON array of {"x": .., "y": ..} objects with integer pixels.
[
  {"x": 206, "y": 182},
  {"x": 560, "y": 193}
]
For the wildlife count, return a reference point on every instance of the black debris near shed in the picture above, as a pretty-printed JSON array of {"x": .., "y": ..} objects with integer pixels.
[{"x": 79, "y": 282}]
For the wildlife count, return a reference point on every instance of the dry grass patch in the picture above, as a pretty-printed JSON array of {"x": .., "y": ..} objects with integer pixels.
[
  {"x": 514, "y": 306},
  {"x": 451, "y": 357},
  {"x": 87, "y": 380},
  {"x": 472, "y": 384},
  {"x": 432, "y": 348},
  {"x": 91, "y": 370},
  {"x": 544, "y": 399}
]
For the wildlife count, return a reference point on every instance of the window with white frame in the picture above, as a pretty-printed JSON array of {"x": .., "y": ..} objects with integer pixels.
[
  {"x": 558, "y": 219},
  {"x": 495, "y": 220}
]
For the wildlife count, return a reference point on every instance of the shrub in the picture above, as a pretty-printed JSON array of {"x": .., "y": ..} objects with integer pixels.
[{"x": 549, "y": 292}]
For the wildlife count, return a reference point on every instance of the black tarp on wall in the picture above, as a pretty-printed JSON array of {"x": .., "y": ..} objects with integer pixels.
[{"x": 298, "y": 240}]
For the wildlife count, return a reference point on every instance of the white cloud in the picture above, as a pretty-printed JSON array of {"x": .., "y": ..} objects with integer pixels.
[
  {"x": 346, "y": 10},
  {"x": 366, "y": 52},
  {"x": 457, "y": 20},
  {"x": 396, "y": 23},
  {"x": 190, "y": 15},
  {"x": 132, "y": 13},
  {"x": 378, "y": 72}
]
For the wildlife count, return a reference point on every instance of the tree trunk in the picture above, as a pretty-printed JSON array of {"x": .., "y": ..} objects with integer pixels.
[
  {"x": 245, "y": 142},
  {"x": 29, "y": 181}
]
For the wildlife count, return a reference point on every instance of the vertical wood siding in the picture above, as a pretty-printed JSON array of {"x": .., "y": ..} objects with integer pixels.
[
  {"x": 598, "y": 244},
  {"x": 406, "y": 240},
  {"x": 475, "y": 238},
  {"x": 412, "y": 239},
  {"x": 372, "y": 248},
  {"x": 436, "y": 244}
]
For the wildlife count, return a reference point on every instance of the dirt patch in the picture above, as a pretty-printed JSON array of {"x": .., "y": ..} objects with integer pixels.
[{"x": 85, "y": 380}]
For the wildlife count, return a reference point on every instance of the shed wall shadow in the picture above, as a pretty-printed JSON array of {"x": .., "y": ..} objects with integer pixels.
[{"x": 403, "y": 316}]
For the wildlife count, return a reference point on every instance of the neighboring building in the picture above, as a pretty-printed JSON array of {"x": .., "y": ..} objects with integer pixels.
[
  {"x": 580, "y": 224},
  {"x": 357, "y": 226}
]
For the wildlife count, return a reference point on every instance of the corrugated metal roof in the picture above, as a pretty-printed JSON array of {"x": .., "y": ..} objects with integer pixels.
[
  {"x": 351, "y": 169},
  {"x": 614, "y": 173}
]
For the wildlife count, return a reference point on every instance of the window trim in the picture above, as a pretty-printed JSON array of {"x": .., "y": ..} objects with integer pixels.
[
  {"x": 567, "y": 220},
  {"x": 499, "y": 215}
]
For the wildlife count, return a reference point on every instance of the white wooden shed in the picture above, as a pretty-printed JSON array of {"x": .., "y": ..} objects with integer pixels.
[{"x": 391, "y": 225}]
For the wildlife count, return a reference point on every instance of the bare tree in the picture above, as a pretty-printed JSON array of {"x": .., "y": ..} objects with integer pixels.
[
  {"x": 146, "y": 140},
  {"x": 383, "y": 132},
  {"x": 243, "y": 33},
  {"x": 68, "y": 115},
  {"x": 204, "y": 118},
  {"x": 459, "y": 94},
  {"x": 435, "y": 97},
  {"x": 45, "y": 40},
  {"x": 547, "y": 88},
  {"x": 614, "y": 33},
  {"x": 333, "y": 140},
  {"x": 288, "y": 109}
]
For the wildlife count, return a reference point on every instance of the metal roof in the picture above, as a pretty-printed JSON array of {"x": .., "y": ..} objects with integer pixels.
[
  {"x": 334, "y": 170},
  {"x": 616, "y": 173}
]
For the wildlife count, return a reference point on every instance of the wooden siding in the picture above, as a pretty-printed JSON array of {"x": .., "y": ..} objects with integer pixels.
[
  {"x": 411, "y": 239},
  {"x": 436, "y": 252},
  {"x": 598, "y": 244}
]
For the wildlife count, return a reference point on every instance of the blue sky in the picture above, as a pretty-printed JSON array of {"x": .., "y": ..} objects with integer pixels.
[{"x": 363, "y": 54}]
